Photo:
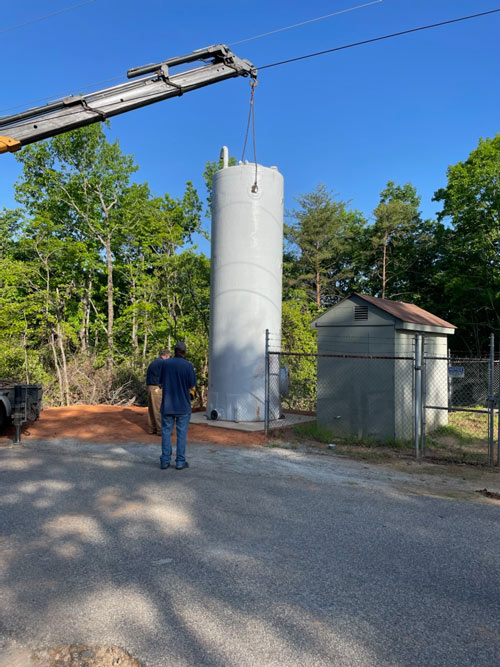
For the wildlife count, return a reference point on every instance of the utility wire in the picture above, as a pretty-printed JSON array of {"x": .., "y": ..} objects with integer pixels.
[
  {"x": 116, "y": 78},
  {"x": 46, "y": 16},
  {"x": 297, "y": 25},
  {"x": 378, "y": 39},
  {"x": 62, "y": 95},
  {"x": 348, "y": 46}
]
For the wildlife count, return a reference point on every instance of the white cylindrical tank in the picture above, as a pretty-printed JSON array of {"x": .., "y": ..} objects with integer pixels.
[{"x": 245, "y": 297}]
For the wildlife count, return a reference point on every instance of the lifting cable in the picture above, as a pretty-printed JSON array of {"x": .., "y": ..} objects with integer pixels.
[{"x": 251, "y": 119}]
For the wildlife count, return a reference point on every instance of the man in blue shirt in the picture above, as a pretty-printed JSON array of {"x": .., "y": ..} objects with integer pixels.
[
  {"x": 154, "y": 392},
  {"x": 177, "y": 379}
]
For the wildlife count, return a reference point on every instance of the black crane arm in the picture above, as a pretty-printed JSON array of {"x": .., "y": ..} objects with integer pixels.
[{"x": 75, "y": 111}]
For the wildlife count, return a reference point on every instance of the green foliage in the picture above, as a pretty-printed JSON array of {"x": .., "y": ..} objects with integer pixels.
[
  {"x": 471, "y": 264},
  {"x": 92, "y": 270},
  {"x": 20, "y": 365},
  {"x": 10, "y": 222},
  {"x": 298, "y": 337}
]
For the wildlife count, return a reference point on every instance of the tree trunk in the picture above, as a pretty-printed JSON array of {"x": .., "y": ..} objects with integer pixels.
[
  {"x": 144, "y": 349},
  {"x": 52, "y": 341},
  {"x": 135, "y": 340},
  {"x": 111, "y": 313},
  {"x": 64, "y": 366},
  {"x": 83, "y": 334},
  {"x": 384, "y": 261},
  {"x": 60, "y": 341},
  {"x": 52, "y": 344},
  {"x": 318, "y": 288},
  {"x": 317, "y": 276}
]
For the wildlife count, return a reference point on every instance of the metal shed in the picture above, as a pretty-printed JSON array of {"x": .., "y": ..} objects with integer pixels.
[{"x": 366, "y": 389}]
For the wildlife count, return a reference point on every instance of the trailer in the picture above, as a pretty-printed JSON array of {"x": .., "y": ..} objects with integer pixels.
[{"x": 19, "y": 403}]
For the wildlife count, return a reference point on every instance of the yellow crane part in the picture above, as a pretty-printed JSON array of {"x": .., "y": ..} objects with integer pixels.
[{"x": 9, "y": 145}]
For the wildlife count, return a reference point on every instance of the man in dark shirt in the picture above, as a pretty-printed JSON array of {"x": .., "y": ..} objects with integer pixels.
[
  {"x": 177, "y": 379},
  {"x": 154, "y": 392}
]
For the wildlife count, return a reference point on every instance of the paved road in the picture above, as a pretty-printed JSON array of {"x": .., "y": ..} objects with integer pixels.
[{"x": 250, "y": 558}]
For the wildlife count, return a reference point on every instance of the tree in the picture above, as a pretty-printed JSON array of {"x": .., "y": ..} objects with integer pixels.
[
  {"x": 321, "y": 242},
  {"x": 78, "y": 180},
  {"x": 155, "y": 229},
  {"x": 471, "y": 202},
  {"x": 93, "y": 271},
  {"x": 391, "y": 242}
]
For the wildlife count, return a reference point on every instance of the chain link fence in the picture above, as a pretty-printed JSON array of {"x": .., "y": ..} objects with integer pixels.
[
  {"x": 368, "y": 398},
  {"x": 441, "y": 406},
  {"x": 464, "y": 427}
]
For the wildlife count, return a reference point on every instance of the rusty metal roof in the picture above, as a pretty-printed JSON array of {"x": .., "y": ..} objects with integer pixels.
[{"x": 407, "y": 312}]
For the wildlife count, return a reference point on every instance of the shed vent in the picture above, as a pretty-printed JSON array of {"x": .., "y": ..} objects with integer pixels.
[{"x": 360, "y": 312}]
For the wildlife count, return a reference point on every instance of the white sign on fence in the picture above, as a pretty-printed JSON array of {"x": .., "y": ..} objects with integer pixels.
[{"x": 456, "y": 371}]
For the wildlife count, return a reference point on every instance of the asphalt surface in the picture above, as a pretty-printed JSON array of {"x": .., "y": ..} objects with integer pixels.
[{"x": 251, "y": 557}]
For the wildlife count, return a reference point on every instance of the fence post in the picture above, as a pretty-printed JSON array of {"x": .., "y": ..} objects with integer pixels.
[
  {"x": 448, "y": 379},
  {"x": 423, "y": 398},
  {"x": 418, "y": 395},
  {"x": 266, "y": 387},
  {"x": 491, "y": 402},
  {"x": 498, "y": 410}
]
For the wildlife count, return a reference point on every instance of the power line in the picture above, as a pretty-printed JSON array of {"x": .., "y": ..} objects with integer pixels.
[
  {"x": 297, "y": 25},
  {"x": 46, "y": 16},
  {"x": 378, "y": 39},
  {"x": 62, "y": 95},
  {"x": 116, "y": 78},
  {"x": 367, "y": 41}
]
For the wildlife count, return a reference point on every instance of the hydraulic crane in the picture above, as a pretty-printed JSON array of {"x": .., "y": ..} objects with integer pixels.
[{"x": 75, "y": 111}]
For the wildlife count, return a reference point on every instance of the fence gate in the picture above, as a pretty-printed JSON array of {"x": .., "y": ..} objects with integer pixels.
[{"x": 456, "y": 406}]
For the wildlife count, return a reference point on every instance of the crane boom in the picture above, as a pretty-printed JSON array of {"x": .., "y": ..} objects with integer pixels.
[{"x": 75, "y": 111}]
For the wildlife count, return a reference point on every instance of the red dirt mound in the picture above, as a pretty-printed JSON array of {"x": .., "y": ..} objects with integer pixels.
[{"x": 110, "y": 423}]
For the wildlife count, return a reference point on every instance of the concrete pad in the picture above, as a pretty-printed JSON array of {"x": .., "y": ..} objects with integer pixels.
[{"x": 251, "y": 427}]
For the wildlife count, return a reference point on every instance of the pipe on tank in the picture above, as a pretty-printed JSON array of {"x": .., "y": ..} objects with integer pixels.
[{"x": 224, "y": 156}]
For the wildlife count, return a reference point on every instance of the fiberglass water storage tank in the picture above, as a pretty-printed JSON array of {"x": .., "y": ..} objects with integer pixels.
[{"x": 245, "y": 296}]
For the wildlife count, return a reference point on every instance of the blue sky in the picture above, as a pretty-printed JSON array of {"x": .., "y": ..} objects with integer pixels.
[{"x": 403, "y": 109}]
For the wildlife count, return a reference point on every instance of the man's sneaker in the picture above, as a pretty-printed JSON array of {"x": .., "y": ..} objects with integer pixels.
[
  {"x": 182, "y": 466},
  {"x": 164, "y": 466}
]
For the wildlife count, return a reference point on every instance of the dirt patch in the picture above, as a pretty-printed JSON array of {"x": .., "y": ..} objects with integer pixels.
[
  {"x": 15, "y": 655},
  {"x": 110, "y": 423},
  {"x": 489, "y": 494}
]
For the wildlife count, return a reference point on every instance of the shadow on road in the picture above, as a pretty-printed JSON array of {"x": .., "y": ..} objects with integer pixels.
[{"x": 215, "y": 567}]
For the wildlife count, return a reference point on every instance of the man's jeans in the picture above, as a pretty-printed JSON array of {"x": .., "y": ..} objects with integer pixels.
[{"x": 167, "y": 426}]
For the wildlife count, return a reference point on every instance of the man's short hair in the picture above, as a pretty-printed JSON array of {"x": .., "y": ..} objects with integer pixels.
[
  {"x": 180, "y": 346},
  {"x": 165, "y": 353}
]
